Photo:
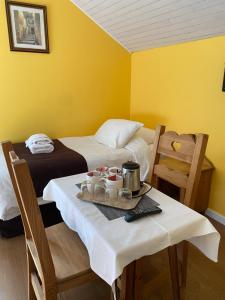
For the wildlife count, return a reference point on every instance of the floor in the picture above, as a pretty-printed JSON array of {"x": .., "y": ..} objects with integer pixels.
[{"x": 206, "y": 280}]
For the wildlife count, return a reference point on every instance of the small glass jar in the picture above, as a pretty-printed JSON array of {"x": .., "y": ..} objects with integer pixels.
[
  {"x": 87, "y": 189},
  {"x": 111, "y": 194},
  {"x": 99, "y": 192},
  {"x": 124, "y": 194}
]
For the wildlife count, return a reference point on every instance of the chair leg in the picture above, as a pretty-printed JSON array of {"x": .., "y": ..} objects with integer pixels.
[
  {"x": 174, "y": 272},
  {"x": 30, "y": 268}
]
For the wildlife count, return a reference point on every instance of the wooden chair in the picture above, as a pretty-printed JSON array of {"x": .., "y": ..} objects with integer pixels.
[
  {"x": 189, "y": 149},
  {"x": 67, "y": 269},
  {"x": 57, "y": 259}
]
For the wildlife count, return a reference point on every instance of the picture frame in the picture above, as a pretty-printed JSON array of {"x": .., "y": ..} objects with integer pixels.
[{"x": 27, "y": 27}]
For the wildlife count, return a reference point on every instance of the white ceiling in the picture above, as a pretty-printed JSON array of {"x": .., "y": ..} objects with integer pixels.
[{"x": 143, "y": 24}]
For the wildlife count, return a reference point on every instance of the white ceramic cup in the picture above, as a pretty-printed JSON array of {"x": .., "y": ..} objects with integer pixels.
[
  {"x": 114, "y": 181},
  {"x": 114, "y": 171},
  {"x": 93, "y": 176},
  {"x": 102, "y": 169}
]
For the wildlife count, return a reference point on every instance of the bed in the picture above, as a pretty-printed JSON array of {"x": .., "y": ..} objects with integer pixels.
[{"x": 95, "y": 155}]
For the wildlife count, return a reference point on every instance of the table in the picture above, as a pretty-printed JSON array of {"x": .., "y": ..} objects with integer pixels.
[{"x": 113, "y": 245}]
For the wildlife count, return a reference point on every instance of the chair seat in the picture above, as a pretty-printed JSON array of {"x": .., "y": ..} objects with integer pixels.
[
  {"x": 69, "y": 254},
  {"x": 183, "y": 167}
]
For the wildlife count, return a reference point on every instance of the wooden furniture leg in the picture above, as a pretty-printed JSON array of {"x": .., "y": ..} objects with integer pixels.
[
  {"x": 138, "y": 280},
  {"x": 127, "y": 283},
  {"x": 182, "y": 260},
  {"x": 111, "y": 295},
  {"x": 183, "y": 252},
  {"x": 174, "y": 271}
]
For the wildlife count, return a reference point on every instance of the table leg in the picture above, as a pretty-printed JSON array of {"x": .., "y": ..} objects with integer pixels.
[
  {"x": 138, "y": 279},
  {"x": 183, "y": 259},
  {"x": 174, "y": 271},
  {"x": 127, "y": 283},
  {"x": 112, "y": 297}
]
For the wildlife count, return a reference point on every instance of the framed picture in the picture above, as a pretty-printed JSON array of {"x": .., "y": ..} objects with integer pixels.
[{"x": 27, "y": 26}]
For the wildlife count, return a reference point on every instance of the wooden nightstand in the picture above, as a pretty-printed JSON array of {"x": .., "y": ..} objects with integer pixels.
[{"x": 204, "y": 184}]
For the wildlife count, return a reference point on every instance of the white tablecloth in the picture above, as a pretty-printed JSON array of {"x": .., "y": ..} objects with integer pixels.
[{"x": 112, "y": 245}]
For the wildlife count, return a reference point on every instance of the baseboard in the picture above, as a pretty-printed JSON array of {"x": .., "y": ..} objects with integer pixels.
[{"x": 216, "y": 216}]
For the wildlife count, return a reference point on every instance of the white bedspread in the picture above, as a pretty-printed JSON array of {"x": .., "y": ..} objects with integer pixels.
[
  {"x": 95, "y": 154},
  {"x": 112, "y": 245}
]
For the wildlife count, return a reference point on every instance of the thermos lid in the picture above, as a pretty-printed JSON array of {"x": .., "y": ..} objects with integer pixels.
[{"x": 130, "y": 165}]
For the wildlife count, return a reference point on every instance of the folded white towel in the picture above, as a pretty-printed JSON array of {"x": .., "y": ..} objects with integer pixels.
[
  {"x": 39, "y": 143},
  {"x": 39, "y": 138},
  {"x": 36, "y": 149}
]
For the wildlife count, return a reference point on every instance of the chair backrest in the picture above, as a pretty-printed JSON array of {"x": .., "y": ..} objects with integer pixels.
[
  {"x": 187, "y": 148},
  {"x": 36, "y": 238}
]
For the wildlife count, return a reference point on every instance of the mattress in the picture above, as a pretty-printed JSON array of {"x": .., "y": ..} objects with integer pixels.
[{"x": 96, "y": 154}]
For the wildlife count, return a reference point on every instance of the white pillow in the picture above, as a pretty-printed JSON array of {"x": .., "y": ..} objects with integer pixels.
[
  {"x": 147, "y": 134},
  {"x": 116, "y": 133}
]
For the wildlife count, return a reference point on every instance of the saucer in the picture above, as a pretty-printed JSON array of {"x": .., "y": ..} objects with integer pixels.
[{"x": 145, "y": 188}]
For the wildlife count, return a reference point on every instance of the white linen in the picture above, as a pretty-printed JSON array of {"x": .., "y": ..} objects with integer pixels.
[
  {"x": 38, "y": 139},
  {"x": 116, "y": 133},
  {"x": 41, "y": 148},
  {"x": 39, "y": 143},
  {"x": 112, "y": 245},
  {"x": 141, "y": 154},
  {"x": 96, "y": 154},
  {"x": 146, "y": 134}
]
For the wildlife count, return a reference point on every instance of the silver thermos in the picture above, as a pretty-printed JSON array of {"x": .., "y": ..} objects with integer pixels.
[{"x": 131, "y": 176}]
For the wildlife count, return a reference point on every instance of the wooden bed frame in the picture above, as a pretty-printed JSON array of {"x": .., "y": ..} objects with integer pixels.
[{"x": 14, "y": 227}]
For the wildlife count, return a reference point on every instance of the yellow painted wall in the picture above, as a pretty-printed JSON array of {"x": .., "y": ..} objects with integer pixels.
[
  {"x": 181, "y": 86},
  {"x": 71, "y": 91},
  {"x": 86, "y": 79}
]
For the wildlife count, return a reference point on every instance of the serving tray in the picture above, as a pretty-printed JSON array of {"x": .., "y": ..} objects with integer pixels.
[{"x": 116, "y": 203}]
